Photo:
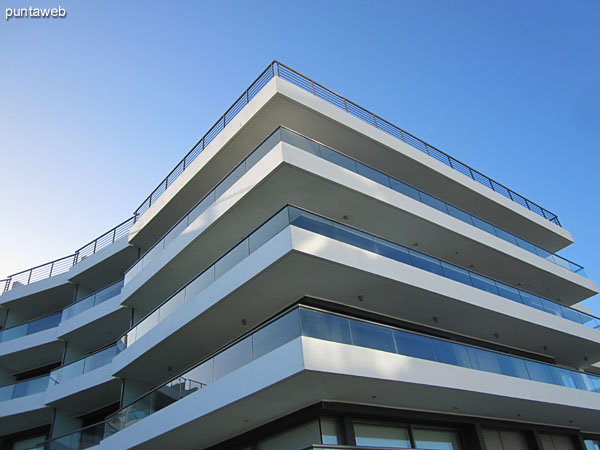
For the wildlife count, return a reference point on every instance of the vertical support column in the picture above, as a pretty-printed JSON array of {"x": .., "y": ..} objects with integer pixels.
[
  {"x": 347, "y": 431},
  {"x": 535, "y": 440}
]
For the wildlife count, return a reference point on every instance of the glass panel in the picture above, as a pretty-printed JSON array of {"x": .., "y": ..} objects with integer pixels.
[
  {"x": 201, "y": 207},
  {"x": 14, "y": 333},
  {"x": 276, "y": 333},
  {"x": 539, "y": 372},
  {"x": 230, "y": 180},
  {"x": 79, "y": 307},
  {"x": 300, "y": 142},
  {"x": 483, "y": 360},
  {"x": 414, "y": 345},
  {"x": 425, "y": 262},
  {"x": 368, "y": 435},
  {"x": 483, "y": 283},
  {"x": 294, "y": 439},
  {"x": 266, "y": 147},
  {"x": 525, "y": 245},
  {"x": 592, "y": 445},
  {"x": 329, "y": 431},
  {"x": 234, "y": 256},
  {"x": 372, "y": 336},
  {"x": 199, "y": 283},
  {"x": 456, "y": 273},
  {"x": 273, "y": 226},
  {"x": 505, "y": 236},
  {"x": 99, "y": 359},
  {"x": 176, "y": 231},
  {"x": 168, "y": 393},
  {"x": 325, "y": 326},
  {"x": 483, "y": 225},
  {"x": 233, "y": 358},
  {"x": 174, "y": 303},
  {"x": 6, "y": 392},
  {"x": 551, "y": 307},
  {"x": 310, "y": 222},
  {"x": 391, "y": 250},
  {"x": 70, "y": 371},
  {"x": 198, "y": 377},
  {"x": 30, "y": 387},
  {"x": 571, "y": 314},
  {"x": 353, "y": 237},
  {"x": 146, "y": 324},
  {"x": 44, "y": 323},
  {"x": 338, "y": 159},
  {"x": 436, "y": 439},
  {"x": 509, "y": 292},
  {"x": 512, "y": 367},
  {"x": 459, "y": 214},
  {"x": 373, "y": 174},
  {"x": 28, "y": 443},
  {"x": 449, "y": 353},
  {"x": 433, "y": 202},
  {"x": 405, "y": 189},
  {"x": 531, "y": 300},
  {"x": 153, "y": 253}
]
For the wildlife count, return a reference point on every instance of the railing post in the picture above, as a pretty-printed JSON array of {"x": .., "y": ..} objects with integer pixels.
[
  {"x": 247, "y": 98},
  {"x": 95, "y": 243},
  {"x": 273, "y": 70},
  {"x": 29, "y": 278},
  {"x": 375, "y": 121},
  {"x": 345, "y": 105},
  {"x": 427, "y": 149},
  {"x": 51, "y": 268},
  {"x": 114, "y": 234},
  {"x": 7, "y": 286}
]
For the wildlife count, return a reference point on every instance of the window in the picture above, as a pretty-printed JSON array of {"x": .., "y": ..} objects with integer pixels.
[
  {"x": 368, "y": 435},
  {"x": 293, "y": 439},
  {"x": 330, "y": 434},
  {"x": 436, "y": 439},
  {"x": 504, "y": 439},
  {"x": 556, "y": 442}
]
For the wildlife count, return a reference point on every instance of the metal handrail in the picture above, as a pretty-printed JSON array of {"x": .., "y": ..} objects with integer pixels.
[
  {"x": 280, "y": 70},
  {"x": 63, "y": 264}
]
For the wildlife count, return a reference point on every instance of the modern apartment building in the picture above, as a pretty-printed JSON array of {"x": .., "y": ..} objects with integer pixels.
[{"x": 309, "y": 276}]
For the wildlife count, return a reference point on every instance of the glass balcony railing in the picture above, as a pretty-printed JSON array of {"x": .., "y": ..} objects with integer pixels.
[
  {"x": 290, "y": 215},
  {"x": 327, "y": 326},
  {"x": 317, "y": 149},
  {"x": 55, "y": 319},
  {"x": 40, "y": 384},
  {"x": 92, "y": 300},
  {"x": 84, "y": 365},
  {"x": 25, "y": 329},
  {"x": 24, "y": 388}
]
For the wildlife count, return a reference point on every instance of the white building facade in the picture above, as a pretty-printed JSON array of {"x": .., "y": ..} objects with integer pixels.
[{"x": 309, "y": 276}]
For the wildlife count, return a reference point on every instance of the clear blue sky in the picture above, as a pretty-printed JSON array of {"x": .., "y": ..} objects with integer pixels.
[{"x": 96, "y": 108}]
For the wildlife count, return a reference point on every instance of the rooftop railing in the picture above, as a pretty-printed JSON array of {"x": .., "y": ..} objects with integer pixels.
[
  {"x": 280, "y": 70},
  {"x": 65, "y": 263}
]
